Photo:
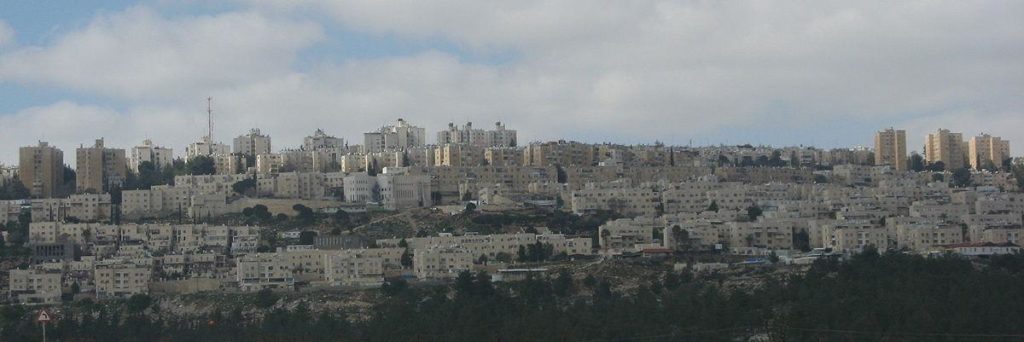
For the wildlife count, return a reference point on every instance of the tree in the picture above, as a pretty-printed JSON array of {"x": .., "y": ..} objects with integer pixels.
[
  {"x": 938, "y": 166},
  {"x": 503, "y": 257},
  {"x": 470, "y": 208},
  {"x": 307, "y": 237},
  {"x": 304, "y": 214},
  {"x": 244, "y": 187},
  {"x": 14, "y": 190},
  {"x": 340, "y": 217},
  {"x": 989, "y": 166},
  {"x": 961, "y": 177},
  {"x": 138, "y": 302},
  {"x": 406, "y": 259},
  {"x": 916, "y": 162},
  {"x": 1018, "y": 173},
  {"x": 754, "y": 212},
  {"x": 713, "y": 206},
  {"x": 802, "y": 240},
  {"x": 201, "y": 165},
  {"x": 563, "y": 285},
  {"x": 266, "y": 298},
  {"x": 393, "y": 287}
]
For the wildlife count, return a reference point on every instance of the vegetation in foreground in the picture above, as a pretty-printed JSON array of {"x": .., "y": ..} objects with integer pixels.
[{"x": 870, "y": 298}]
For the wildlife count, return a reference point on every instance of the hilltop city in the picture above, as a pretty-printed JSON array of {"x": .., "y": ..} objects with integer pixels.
[{"x": 333, "y": 215}]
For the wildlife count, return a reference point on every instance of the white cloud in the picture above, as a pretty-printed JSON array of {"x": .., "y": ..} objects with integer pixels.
[
  {"x": 640, "y": 70},
  {"x": 6, "y": 34},
  {"x": 138, "y": 54},
  {"x": 615, "y": 71}
]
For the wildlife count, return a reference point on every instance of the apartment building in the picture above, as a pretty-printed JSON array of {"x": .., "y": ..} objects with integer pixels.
[
  {"x": 891, "y": 148},
  {"x": 164, "y": 201},
  {"x": 619, "y": 197},
  {"x": 82, "y": 207},
  {"x": 467, "y": 135},
  {"x": 255, "y": 272},
  {"x": 561, "y": 153},
  {"x": 393, "y": 189},
  {"x": 987, "y": 151},
  {"x": 99, "y": 168},
  {"x": 34, "y": 286},
  {"x": 441, "y": 262},
  {"x": 503, "y": 156},
  {"x": 764, "y": 233},
  {"x": 353, "y": 267},
  {"x": 160, "y": 157},
  {"x": 921, "y": 236},
  {"x": 852, "y": 236},
  {"x": 623, "y": 235},
  {"x": 206, "y": 147},
  {"x": 41, "y": 169},
  {"x": 121, "y": 280},
  {"x": 320, "y": 141},
  {"x": 398, "y": 136},
  {"x": 253, "y": 143},
  {"x": 946, "y": 147},
  {"x": 457, "y": 155}
]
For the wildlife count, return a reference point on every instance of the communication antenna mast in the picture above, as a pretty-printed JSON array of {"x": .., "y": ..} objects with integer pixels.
[{"x": 209, "y": 118}]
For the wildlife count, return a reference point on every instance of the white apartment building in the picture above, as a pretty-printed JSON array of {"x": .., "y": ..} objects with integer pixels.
[
  {"x": 206, "y": 147},
  {"x": 121, "y": 280},
  {"x": 34, "y": 286},
  {"x": 254, "y": 143},
  {"x": 255, "y": 272},
  {"x": 320, "y": 141},
  {"x": 467, "y": 135},
  {"x": 624, "y": 235},
  {"x": 147, "y": 152},
  {"x": 84, "y": 207},
  {"x": 439, "y": 262},
  {"x": 353, "y": 267},
  {"x": 400, "y": 135}
]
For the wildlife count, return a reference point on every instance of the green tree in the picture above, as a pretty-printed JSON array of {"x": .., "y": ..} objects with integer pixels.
[
  {"x": 393, "y": 287},
  {"x": 713, "y": 207},
  {"x": 938, "y": 166},
  {"x": 563, "y": 284},
  {"x": 802, "y": 240},
  {"x": 138, "y": 302},
  {"x": 754, "y": 212},
  {"x": 304, "y": 214},
  {"x": 962, "y": 177},
  {"x": 916, "y": 162},
  {"x": 266, "y": 298},
  {"x": 14, "y": 189},
  {"x": 245, "y": 187},
  {"x": 406, "y": 259},
  {"x": 201, "y": 165}
]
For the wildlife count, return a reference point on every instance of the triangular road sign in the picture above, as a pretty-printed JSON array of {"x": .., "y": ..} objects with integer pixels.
[{"x": 43, "y": 316}]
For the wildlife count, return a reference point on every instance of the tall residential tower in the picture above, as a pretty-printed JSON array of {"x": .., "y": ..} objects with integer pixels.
[{"x": 891, "y": 148}]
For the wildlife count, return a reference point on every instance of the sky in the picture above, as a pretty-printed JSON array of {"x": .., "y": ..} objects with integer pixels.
[{"x": 785, "y": 73}]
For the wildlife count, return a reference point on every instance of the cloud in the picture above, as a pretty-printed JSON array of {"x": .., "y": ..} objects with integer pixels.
[
  {"x": 629, "y": 72},
  {"x": 638, "y": 70},
  {"x": 6, "y": 34},
  {"x": 139, "y": 54}
]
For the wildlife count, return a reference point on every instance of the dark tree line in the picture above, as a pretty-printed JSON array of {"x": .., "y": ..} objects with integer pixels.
[{"x": 872, "y": 297}]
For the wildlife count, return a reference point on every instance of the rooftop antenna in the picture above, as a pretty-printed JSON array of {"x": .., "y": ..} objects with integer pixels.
[{"x": 209, "y": 118}]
